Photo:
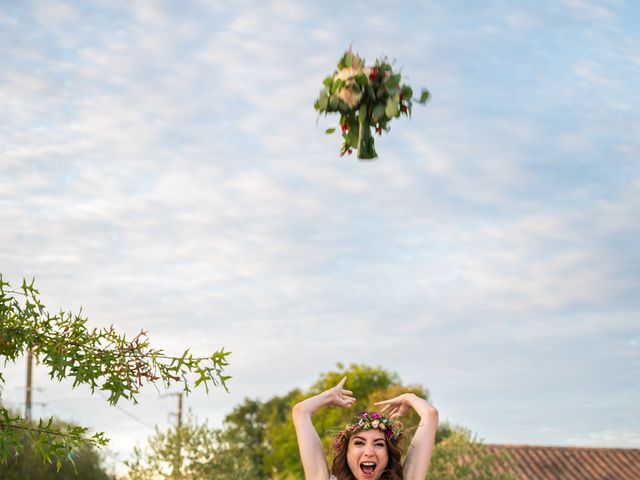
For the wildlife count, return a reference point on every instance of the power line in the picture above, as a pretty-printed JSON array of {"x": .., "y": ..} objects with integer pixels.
[{"x": 128, "y": 414}]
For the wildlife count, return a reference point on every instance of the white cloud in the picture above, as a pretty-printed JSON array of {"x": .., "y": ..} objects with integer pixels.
[
  {"x": 606, "y": 438},
  {"x": 590, "y": 10}
]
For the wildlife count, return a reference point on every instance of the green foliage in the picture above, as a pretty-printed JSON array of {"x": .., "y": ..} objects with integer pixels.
[
  {"x": 458, "y": 454},
  {"x": 100, "y": 358},
  {"x": 365, "y": 98},
  {"x": 87, "y": 463},
  {"x": 192, "y": 452}
]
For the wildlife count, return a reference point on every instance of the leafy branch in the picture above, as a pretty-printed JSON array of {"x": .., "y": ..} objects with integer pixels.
[
  {"x": 100, "y": 358},
  {"x": 53, "y": 443}
]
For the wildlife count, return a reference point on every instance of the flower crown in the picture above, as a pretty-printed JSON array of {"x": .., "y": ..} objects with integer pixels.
[{"x": 393, "y": 429}]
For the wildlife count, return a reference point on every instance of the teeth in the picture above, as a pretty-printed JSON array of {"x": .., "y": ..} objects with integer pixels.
[{"x": 369, "y": 464}]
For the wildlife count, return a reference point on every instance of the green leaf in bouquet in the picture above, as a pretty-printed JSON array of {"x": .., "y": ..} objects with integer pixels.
[
  {"x": 424, "y": 96},
  {"x": 343, "y": 107},
  {"x": 407, "y": 91},
  {"x": 352, "y": 121},
  {"x": 393, "y": 90},
  {"x": 322, "y": 102},
  {"x": 329, "y": 131},
  {"x": 348, "y": 60},
  {"x": 370, "y": 92},
  {"x": 361, "y": 79},
  {"x": 333, "y": 103},
  {"x": 353, "y": 133},
  {"x": 383, "y": 68},
  {"x": 391, "y": 109},
  {"x": 378, "y": 112},
  {"x": 394, "y": 79},
  {"x": 337, "y": 85},
  {"x": 341, "y": 63},
  {"x": 327, "y": 81},
  {"x": 366, "y": 150},
  {"x": 392, "y": 84}
]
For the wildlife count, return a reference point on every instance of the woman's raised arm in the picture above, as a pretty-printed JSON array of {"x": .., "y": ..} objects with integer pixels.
[
  {"x": 419, "y": 453},
  {"x": 311, "y": 451}
]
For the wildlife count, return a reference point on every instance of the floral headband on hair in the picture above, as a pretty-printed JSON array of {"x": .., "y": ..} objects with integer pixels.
[{"x": 392, "y": 429}]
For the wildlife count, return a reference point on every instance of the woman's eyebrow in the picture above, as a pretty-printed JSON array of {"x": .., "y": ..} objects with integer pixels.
[{"x": 363, "y": 438}]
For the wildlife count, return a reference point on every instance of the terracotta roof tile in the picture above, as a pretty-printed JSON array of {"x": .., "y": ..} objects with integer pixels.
[{"x": 529, "y": 462}]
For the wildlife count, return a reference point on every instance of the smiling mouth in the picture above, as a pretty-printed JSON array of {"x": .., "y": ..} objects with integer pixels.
[{"x": 368, "y": 467}]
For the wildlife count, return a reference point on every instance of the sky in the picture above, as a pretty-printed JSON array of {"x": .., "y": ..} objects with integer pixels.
[{"x": 162, "y": 167}]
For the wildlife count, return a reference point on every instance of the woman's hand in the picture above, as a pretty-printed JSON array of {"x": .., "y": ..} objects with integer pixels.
[
  {"x": 398, "y": 406},
  {"x": 339, "y": 397}
]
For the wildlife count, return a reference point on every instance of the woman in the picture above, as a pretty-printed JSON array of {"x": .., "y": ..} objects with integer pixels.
[{"x": 366, "y": 449}]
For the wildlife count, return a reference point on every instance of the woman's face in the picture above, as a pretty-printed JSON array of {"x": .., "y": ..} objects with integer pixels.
[{"x": 367, "y": 454}]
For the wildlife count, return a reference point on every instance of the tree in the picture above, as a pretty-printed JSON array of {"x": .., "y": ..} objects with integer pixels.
[
  {"x": 460, "y": 455},
  {"x": 204, "y": 452},
  {"x": 262, "y": 433},
  {"x": 100, "y": 358}
]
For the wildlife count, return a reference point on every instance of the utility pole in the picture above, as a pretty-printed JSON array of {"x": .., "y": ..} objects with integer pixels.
[
  {"x": 177, "y": 460},
  {"x": 176, "y": 474},
  {"x": 179, "y": 436},
  {"x": 179, "y": 409},
  {"x": 27, "y": 403}
]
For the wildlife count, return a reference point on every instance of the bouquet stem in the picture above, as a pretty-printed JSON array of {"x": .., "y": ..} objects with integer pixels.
[{"x": 366, "y": 148}]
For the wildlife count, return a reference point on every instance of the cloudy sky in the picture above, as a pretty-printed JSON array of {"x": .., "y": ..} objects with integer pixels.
[{"x": 161, "y": 165}]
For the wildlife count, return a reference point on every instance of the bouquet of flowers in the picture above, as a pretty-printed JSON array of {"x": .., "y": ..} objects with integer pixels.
[{"x": 365, "y": 97}]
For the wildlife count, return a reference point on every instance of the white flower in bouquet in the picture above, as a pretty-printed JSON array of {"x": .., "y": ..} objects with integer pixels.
[{"x": 350, "y": 93}]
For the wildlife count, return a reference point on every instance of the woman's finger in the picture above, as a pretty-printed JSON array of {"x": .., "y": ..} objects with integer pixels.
[
  {"x": 341, "y": 382},
  {"x": 348, "y": 392},
  {"x": 391, "y": 400}
]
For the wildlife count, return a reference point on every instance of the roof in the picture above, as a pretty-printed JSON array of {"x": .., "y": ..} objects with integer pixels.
[{"x": 528, "y": 462}]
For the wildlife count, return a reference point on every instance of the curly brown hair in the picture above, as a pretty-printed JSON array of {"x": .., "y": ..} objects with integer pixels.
[{"x": 340, "y": 467}]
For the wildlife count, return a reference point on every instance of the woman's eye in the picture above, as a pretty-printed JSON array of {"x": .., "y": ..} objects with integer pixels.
[{"x": 379, "y": 445}]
